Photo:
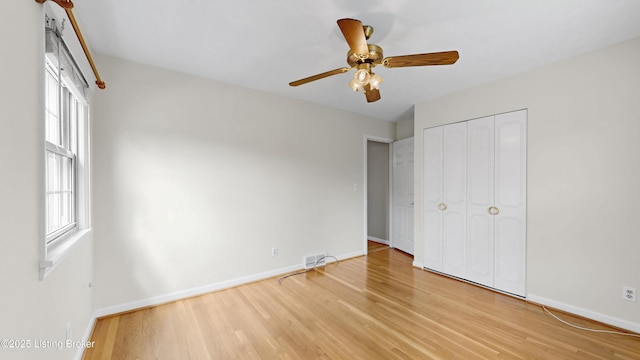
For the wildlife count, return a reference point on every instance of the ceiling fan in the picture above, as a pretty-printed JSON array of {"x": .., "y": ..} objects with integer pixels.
[{"x": 363, "y": 57}]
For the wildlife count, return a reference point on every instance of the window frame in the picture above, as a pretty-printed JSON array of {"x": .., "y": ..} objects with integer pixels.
[
  {"x": 72, "y": 143},
  {"x": 67, "y": 148}
]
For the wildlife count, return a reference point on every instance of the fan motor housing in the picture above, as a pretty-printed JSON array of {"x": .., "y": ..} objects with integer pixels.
[{"x": 375, "y": 56}]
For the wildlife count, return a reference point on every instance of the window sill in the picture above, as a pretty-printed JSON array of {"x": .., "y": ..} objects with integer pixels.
[{"x": 58, "y": 251}]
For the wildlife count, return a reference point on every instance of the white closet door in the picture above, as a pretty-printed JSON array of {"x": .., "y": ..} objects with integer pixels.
[
  {"x": 433, "y": 170},
  {"x": 480, "y": 199},
  {"x": 454, "y": 235},
  {"x": 510, "y": 201}
]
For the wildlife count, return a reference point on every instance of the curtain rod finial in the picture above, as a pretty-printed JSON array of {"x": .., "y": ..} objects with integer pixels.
[{"x": 101, "y": 84}]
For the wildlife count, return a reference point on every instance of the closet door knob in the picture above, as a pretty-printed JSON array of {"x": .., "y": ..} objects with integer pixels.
[
  {"x": 492, "y": 210},
  {"x": 442, "y": 206}
]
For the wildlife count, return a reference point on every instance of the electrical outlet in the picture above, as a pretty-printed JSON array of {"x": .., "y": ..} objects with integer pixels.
[
  {"x": 629, "y": 293},
  {"x": 274, "y": 251}
]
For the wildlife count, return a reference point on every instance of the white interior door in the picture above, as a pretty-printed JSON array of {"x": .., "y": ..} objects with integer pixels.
[
  {"x": 402, "y": 195},
  {"x": 433, "y": 171},
  {"x": 479, "y": 200},
  {"x": 454, "y": 234},
  {"x": 510, "y": 201}
]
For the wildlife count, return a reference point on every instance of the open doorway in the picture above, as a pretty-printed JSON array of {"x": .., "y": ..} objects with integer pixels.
[
  {"x": 378, "y": 191},
  {"x": 377, "y": 202},
  {"x": 388, "y": 198}
]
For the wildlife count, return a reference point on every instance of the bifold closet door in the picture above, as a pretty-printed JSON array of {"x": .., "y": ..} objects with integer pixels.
[
  {"x": 433, "y": 172},
  {"x": 475, "y": 200},
  {"x": 454, "y": 198},
  {"x": 497, "y": 201},
  {"x": 510, "y": 201},
  {"x": 481, "y": 187},
  {"x": 445, "y": 210}
]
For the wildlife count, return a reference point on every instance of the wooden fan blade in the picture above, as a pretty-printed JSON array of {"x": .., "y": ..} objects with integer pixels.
[
  {"x": 319, "y": 76},
  {"x": 354, "y": 34},
  {"x": 371, "y": 94},
  {"x": 437, "y": 58}
]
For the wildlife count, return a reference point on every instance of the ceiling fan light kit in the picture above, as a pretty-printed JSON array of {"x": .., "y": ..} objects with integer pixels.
[
  {"x": 363, "y": 57},
  {"x": 364, "y": 76}
]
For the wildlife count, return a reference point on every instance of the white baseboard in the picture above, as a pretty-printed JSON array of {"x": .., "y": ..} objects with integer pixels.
[
  {"x": 603, "y": 318},
  {"x": 201, "y": 290},
  {"x": 418, "y": 264},
  {"x": 187, "y": 293},
  {"x": 378, "y": 240},
  {"x": 351, "y": 255},
  {"x": 86, "y": 337}
]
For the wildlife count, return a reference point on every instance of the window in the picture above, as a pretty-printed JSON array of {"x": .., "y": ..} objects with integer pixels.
[
  {"x": 66, "y": 185},
  {"x": 62, "y": 112}
]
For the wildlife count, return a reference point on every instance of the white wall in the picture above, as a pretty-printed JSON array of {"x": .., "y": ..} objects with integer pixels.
[
  {"x": 404, "y": 129},
  {"x": 196, "y": 181},
  {"x": 378, "y": 190},
  {"x": 583, "y": 176},
  {"x": 31, "y": 309}
]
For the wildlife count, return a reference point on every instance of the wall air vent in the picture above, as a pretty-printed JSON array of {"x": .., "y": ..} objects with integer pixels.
[{"x": 314, "y": 261}]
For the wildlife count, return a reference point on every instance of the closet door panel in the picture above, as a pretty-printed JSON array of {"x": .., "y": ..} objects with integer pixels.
[
  {"x": 455, "y": 198},
  {"x": 480, "y": 198},
  {"x": 454, "y": 244},
  {"x": 509, "y": 264},
  {"x": 480, "y": 250},
  {"x": 510, "y": 200},
  {"x": 511, "y": 159},
  {"x": 481, "y": 162},
  {"x": 433, "y": 171}
]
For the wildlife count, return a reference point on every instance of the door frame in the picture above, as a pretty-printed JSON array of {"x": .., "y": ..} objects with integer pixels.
[{"x": 365, "y": 188}]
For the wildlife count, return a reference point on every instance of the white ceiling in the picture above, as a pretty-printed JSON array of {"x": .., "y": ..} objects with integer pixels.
[{"x": 265, "y": 45}]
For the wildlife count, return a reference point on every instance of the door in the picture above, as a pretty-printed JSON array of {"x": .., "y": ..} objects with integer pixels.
[
  {"x": 497, "y": 201},
  {"x": 402, "y": 195},
  {"x": 433, "y": 205},
  {"x": 479, "y": 200},
  {"x": 510, "y": 201},
  {"x": 445, "y": 210},
  {"x": 454, "y": 198},
  {"x": 475, "y": 200}
]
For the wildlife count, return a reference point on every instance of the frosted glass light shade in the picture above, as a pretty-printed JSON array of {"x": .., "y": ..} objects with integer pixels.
[
  {"x": 362, "y": 77},
  {"x": 375, "y": 81},
  {"x": 356, "y": 86}
]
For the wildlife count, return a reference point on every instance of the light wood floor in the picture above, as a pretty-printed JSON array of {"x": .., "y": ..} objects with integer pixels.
[
  {"x": 372, "y": 307},
  {"x": 373, "y": 246}
]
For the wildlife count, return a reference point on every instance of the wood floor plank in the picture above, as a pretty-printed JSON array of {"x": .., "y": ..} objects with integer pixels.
[{"x": 373, "y": 307}]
